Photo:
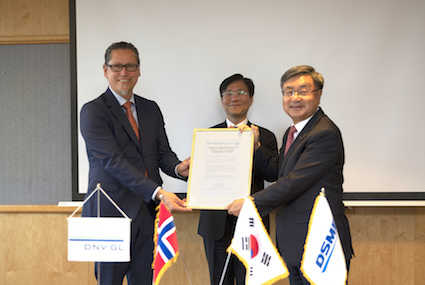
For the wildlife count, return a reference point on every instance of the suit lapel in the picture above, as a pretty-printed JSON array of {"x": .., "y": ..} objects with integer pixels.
[
  {"x": 117, "y": 111},
  {"x": 283, "y": 158},
  {"x": 142, "y": 118},
  {"x": 222, "y": 125},
  {"x": 310, "y": 125}
]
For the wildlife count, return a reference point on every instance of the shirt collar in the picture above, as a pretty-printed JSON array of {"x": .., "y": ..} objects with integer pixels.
[
  {"x": 229, "y": 123},
  {"x": 300, "y": 126}
]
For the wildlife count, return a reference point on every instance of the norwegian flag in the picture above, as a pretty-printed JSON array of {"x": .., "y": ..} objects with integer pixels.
[{"x": 166, "y": 248}]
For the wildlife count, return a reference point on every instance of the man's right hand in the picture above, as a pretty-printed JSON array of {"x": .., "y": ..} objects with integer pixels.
[{"x": 172, "y": 201}]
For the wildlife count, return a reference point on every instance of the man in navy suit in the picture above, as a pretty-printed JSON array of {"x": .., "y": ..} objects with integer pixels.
[
  {"x": 126, "y": 145},
  {"x": 314, "y": 160},
  {"x": 216, "y": 226}
]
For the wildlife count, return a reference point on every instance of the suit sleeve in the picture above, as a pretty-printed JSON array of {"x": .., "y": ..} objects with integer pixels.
[
  {"x": 266, "y": 156},
  {"x": 313, "y": 160},
  {"x": 167, "y": 159}
]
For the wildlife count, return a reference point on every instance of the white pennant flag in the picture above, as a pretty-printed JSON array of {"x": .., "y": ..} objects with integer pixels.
[
  {"x": 252, "y": 245},
  {"x": 323, "y": 258}
]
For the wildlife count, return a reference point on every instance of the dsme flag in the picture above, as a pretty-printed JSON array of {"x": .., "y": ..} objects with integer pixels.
[
  {"x": 254, "y": 248},
  {"x": 323, "y": 258}
]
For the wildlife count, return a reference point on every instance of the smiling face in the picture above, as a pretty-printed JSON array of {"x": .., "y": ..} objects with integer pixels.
[
  {"x": 300, "y": 108},
  {"x": 236, "y": 107},
  {"x": 122, "y": 82}
]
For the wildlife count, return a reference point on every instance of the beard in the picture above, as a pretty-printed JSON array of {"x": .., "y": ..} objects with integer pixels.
[{"x": 123, "y": 92}]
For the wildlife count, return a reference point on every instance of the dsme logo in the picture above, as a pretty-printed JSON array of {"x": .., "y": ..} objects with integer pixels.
[{"x": 327, "y": 248}]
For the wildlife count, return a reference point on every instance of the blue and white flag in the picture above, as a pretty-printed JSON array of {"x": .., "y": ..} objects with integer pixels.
[
  {"x": 323, "y": 258},
  {"x": 252, "y": 245}
]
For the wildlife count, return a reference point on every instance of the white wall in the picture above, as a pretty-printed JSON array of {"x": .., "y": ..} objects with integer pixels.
[{"x": 371, "y": 54}]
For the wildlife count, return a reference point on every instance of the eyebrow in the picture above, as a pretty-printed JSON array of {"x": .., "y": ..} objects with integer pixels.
[
  {"x": 123, "y": 64},
  {"x": 302, "y": 86}
]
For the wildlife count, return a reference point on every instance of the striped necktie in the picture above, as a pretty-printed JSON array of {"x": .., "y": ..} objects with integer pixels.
[{"x": 127, "y": 107}]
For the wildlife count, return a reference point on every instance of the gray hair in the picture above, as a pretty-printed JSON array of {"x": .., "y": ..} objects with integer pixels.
[
  {"x": 303, "y": 69},
  {"x": 121, "y": 45}
]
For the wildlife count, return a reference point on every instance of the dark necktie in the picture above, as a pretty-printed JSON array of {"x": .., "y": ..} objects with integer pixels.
[
  {"x": 127, "y": 107},
  {"x": 290, "y": 138}
]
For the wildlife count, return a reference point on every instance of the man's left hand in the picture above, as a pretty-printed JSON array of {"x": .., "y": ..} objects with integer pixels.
[
  {"x": 183, "y": 167},
  {"x": 235, "y": 207}
]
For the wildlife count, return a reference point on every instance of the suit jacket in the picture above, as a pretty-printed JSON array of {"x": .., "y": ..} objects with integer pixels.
[
  {"x": 314, "y": 160},
  {"x": 212, "y": 223},
  {"x": 118, "y": 160}
]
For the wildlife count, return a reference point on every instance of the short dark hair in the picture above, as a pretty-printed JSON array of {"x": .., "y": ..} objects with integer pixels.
[
  {"x": 237, "y": 77},
  {"x": 121, "y": 45},
  {"x": 303, "y": 69}
]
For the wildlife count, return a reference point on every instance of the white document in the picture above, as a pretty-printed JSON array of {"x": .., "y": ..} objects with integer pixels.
[{"x": 221, "y": 167}]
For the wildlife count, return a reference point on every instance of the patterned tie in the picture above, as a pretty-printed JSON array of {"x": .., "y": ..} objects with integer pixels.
[
  {"x": 129, "y": 113},
  {"x": 127, "y": 107},
  {"x": 290, "y": 138}
]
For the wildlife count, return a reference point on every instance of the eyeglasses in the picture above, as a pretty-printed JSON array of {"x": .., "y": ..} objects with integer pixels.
[
  {"x": 240, "y": 94},
  {"x": 119, "y": 67},
  {"x": 302, "y": 93}
]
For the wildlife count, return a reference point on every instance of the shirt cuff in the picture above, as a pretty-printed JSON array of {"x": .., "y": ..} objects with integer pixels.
[{"x": 155, "y": 192}]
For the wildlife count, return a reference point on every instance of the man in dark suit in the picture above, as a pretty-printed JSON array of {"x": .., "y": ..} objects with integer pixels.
[
  {"x": 126, "y": 145},
  {"x": 314, "y": 160},
  {"x": 216, "y": 226}
]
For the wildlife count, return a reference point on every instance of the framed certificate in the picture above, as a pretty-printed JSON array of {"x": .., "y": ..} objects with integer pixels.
[{"x": 220, "y": 167}]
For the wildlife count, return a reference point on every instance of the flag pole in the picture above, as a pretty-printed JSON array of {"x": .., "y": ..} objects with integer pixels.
[
  {"x": 223, "y": 273},
  {"x": 187, "y": 271},
  {"x": 98, "y": 215}
]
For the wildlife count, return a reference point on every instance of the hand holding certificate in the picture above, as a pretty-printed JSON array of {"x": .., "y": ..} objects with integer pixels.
[{"x": 221, "y": 167}]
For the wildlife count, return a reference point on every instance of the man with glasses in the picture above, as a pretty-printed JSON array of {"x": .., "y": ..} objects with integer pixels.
[
  {"x": 313, "y": 160},
  {"x": 126, "y": 145},
  {"x": 216, "y": 226}
]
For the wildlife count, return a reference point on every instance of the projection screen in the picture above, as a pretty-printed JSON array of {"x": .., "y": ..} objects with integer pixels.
[{"x": 371, "y": 54}]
